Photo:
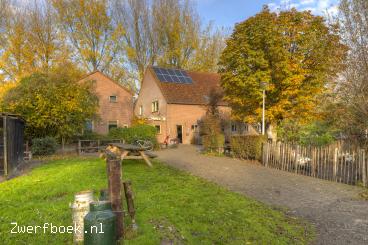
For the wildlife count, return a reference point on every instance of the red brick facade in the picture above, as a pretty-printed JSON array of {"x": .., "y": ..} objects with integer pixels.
[
  {"x": 170, "y": 117},
  {"x": 115, "y": 103}
]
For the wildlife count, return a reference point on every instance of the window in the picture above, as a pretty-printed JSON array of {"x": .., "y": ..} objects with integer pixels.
[
  {"x": 113, "y": 124},
  {"x": 140, "y": 110},
  {"x": 89, "y": 126},
  {"x": 194, "y": 127},
  {"x": 155, "y": 106},
  {"x": 158, "y": 128},
  {"x": 125, "y": 126},
  {"x": 113, "y": 99},
  {"x": 233, "y": 127}
]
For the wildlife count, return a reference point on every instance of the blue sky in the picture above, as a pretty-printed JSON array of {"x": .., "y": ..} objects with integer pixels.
[{"x": 228, "y": 12}]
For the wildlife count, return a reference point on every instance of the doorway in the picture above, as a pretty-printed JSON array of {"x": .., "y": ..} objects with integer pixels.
[{"x": 179, "y": 131}]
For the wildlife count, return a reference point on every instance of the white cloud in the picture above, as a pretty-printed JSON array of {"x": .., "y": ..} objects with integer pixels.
[{"x": 318, "y": 7}]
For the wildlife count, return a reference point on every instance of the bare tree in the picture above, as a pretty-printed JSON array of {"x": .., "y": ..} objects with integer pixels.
[
  {"x": 95, "y": 39},
  {"x": 354, "y": 86},
  {"x": 141, "y": 47},
  {"x": 177, "y": 26}
]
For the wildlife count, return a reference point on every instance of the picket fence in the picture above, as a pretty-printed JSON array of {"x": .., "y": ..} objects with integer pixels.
[{"x": 333, "y": 163}]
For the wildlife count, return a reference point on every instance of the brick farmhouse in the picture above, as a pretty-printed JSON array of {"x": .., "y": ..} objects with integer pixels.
[
  {"x": 115, "y": 104},
  {"x": 174, "y": 101}
]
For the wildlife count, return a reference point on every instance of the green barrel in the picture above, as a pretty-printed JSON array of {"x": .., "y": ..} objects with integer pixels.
[{"x": 100, "y": 224}]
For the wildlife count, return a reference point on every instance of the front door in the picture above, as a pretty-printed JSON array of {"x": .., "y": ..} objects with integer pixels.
[{"x": 179, "y": 130}]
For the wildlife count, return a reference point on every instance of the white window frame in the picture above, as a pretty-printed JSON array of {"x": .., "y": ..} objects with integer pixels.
[{"x": 155, "y": 106}]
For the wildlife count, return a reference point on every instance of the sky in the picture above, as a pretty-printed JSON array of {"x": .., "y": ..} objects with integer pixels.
[{"x": 225, "y": 13}]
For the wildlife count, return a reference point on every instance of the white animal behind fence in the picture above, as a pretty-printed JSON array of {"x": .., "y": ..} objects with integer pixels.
[{"x": 329, "y": 163}]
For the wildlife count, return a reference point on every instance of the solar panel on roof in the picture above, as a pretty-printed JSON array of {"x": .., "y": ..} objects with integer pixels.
[{"x": 172, "y": 75}]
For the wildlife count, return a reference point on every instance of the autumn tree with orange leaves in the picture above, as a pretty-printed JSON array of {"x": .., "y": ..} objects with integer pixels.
[{"x": 294, "y": 53}]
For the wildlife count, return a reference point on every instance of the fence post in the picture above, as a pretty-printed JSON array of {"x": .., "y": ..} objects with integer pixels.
[
  {"x": 267, "y": 153},
  {"x": 313, "y": 156},
  {"x": 79, "y": 147},
  {"x": 114, "y": 185},
  {"x": 296, "y": 159},
  {"x": 364, "y": 168},
  {"x": 335, "y": 164}
]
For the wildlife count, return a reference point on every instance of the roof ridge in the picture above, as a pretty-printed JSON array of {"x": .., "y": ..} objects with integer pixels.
[
  {"x": 109, "y": 78},
  {"x": 190, "y": 71}
]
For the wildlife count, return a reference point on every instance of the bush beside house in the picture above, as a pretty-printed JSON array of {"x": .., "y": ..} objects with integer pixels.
[
  {"x": 248, "y": 146},
  {"x": 210, "y": 130},
  {"x": 137, "y": 132},
  {"x": 44, "y": 146}
]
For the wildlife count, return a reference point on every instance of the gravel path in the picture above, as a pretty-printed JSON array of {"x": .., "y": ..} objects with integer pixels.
[{"x": 339, "y": 215}]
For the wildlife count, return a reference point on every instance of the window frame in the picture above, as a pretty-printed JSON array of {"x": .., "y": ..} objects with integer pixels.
[
  {"x": 113, "y": 101},
  {"x": 234, "y": 126},
  {"x": 91, "y": 123},
  {"x": 155, "y": 106},
  {"x": 159, "y": 130},
  {"x": 111, "y": 123}
]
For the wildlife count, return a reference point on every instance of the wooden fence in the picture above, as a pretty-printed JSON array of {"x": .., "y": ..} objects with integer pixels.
[
  {"x": 333, "y": 163},
  {"x": 94, "y": 146}
]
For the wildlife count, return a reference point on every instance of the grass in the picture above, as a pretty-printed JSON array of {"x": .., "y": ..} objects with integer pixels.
[{"x": 171, "y": 205}]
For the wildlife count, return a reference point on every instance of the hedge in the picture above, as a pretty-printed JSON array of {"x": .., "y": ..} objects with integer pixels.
[
  {"x": 248, "y": 146},
  {"x": 137, "y": 132},
  {"x": 213, "y": 142},
  {"x": 44, "y": 146}
]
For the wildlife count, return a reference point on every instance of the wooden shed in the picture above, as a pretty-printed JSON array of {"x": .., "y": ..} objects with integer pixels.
[{"x": 11, "y": 142}]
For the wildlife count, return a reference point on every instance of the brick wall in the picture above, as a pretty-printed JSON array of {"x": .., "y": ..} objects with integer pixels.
[{"x": 120, "y": 111}]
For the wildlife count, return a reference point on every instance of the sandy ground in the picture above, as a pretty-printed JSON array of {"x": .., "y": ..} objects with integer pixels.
[{"x": 335, "y": 209}]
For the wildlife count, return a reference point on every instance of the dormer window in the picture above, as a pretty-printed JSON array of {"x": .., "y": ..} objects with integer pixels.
[
  {"x": 113, "y": 98},
  {"x": 155, "y": 106}
]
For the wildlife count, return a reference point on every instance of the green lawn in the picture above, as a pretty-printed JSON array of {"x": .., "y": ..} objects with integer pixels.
[{"x": 170, "y": 204}]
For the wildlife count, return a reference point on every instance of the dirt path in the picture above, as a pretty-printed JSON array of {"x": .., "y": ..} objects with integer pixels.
[{"x": 339, "y": 215}]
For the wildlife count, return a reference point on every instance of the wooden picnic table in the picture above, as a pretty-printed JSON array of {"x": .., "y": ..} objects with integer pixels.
[{"x": 133, "y": 152}]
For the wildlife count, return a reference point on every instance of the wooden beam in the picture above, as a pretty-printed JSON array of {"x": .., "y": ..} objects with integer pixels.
[
  {"x": 146, "y": 159},
  {"x": 114, "y": 183}
]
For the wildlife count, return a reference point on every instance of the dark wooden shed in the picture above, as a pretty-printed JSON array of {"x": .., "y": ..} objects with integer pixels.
[{"x": 11, "y": 142}]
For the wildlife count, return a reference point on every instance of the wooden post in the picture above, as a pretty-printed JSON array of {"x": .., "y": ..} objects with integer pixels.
[
  {"x": 79, "y": 147},
  {"x": 5, "y": 138},
  {"x": 313, "y": 168},
  {"x": 296, "y": 159},
  {"x": 364, "y": 168},
  {"x": 267, "y": 153},
  {"x": 130, "y": 202},
  {"x": 335, "y": 164},
  {"x": 114, "y": 183}
]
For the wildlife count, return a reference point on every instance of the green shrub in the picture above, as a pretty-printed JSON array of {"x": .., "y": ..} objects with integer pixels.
[
  {"x": 210, "y": 131},
  {"x": 44, "y": 146},
  {"x": 88, "y": 135},
  {"x": 248, "y": 146},
  {"x": 213, "y": 142},
  {"x": 137, "y": 132}
]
